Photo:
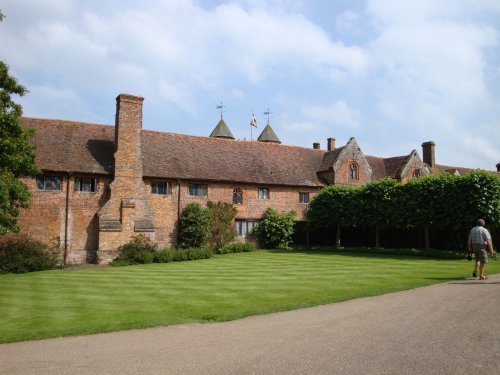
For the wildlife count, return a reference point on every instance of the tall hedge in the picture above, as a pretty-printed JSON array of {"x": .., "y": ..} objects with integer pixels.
[{"x": 443, "y": 201}]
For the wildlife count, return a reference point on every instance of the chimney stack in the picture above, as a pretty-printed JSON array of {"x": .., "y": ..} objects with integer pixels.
[
  {"x": 316, "y": 146},
  {"x": 331, "y": 144},
  {"x": 498, "y": 167},
  {"x": 429, "y": 153},
  {"x": 127, "y": 211}
]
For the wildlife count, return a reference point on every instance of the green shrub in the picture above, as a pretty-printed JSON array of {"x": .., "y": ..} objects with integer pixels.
[
  {"x": 121, "y": 262},
  {"x": 140, "y": 250},
  {"x": 164, "y": 256},
  {"x": 194, "y": 226},
  {"x": 19, "y": 254},
  {"x": 237, "y": 247},
  {"x": 222, "y": 229},
  {"x": 276, "y": 229}
]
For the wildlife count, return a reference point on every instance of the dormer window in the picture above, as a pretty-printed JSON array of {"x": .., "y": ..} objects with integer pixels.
[{"x": 353, "y": 171}]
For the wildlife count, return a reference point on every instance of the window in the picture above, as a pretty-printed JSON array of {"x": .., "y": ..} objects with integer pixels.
[
  {"x": 237, "y": 196},
  {"x": 48, "y": 183},
  {"x": 85, "y": 184},
  {"x": 197, "y": 190},
  {"x": 161, "y": 188},
  {"x": 263, "y": 193},
  {"x": 303, "y": 197},
  {"x": 416, "y": 173},
  {"x": 353, "y": 171},
  {"x": 245, "y": 227}
]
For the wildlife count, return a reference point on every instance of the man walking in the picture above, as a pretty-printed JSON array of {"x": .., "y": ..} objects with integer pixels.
[{"x": 479, "y": 241}]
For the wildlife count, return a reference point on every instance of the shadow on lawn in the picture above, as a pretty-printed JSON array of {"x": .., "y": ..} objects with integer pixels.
[{"x": 380, "y": 253}]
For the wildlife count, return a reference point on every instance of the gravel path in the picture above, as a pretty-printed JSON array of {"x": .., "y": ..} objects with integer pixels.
[{"x": 451, "y": 328}]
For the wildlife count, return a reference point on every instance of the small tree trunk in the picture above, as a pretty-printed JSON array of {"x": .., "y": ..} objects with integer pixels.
[
  {"x": 377, "y": 236},
  {"x": 427, "y": 237},
  {"x": 337, "y": 239}
]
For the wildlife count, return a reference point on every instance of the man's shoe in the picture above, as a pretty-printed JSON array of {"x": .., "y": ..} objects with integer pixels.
[
  {"x": 483, "y": 278},
  {"x": 474, "y": 274}
]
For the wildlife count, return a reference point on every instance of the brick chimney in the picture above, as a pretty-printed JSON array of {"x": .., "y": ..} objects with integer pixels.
[
  {"x": 127, "y": 212},
  {"x": 316, "y": 145},
  {"x": 498, "y": 167},
  {"x": 428, "y": 153},
  {"x": 331, "y": 144}
]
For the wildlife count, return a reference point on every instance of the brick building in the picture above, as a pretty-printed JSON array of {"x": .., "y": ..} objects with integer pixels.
[{"x": 103, "y": 184}]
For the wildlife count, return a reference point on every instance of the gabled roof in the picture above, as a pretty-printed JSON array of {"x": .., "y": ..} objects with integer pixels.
[
  {"x": 222, "y": 131},
  {"x": 64, "y": 146},
  {"x": 268, "y": 135},
  {"x": 329, "y": 159}
]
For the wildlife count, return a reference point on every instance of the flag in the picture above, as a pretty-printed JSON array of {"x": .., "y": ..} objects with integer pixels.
[{"x": 253, "y": 122}]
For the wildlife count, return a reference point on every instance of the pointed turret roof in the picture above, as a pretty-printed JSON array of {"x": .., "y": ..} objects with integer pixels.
[
  {"x": 222, "y": 131},
  {"x": 268, "y": 135}
]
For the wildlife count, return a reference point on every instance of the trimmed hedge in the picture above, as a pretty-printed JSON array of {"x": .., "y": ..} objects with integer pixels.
[
  {"x": 237, "y": 247},
  {"x": 140, "y": 250},
  {"x": 20, "y": 254}
]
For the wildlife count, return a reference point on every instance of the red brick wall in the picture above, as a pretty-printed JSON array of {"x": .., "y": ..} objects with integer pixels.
[
  {"x": 166, "y": 206},
  {"x": 45, "y": 220}
]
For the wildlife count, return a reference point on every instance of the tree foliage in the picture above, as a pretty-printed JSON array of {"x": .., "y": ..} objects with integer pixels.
[
  {"x": 276, "y": 229},
  {"x": 17, "y": 154},
  {"x": 336, "y": 204},
  {"x": 222, "y": 230}
]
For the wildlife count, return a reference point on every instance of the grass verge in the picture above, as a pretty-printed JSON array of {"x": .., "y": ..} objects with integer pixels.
[{"x": 61, "y": 303}]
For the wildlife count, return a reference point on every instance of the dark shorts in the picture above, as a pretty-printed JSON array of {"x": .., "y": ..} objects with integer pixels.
[{"x": 480, "y": 253}]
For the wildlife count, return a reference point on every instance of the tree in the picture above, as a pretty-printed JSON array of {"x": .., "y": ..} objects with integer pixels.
[
  {"x": 194, "y": 226},
  {"x": 17, "y": 154},
  {"x": 335, "y": 205},
  {"x": 376, "y": 200},
  {"x": 222, "y": 230},
  {"x": 276, "y": 229}
]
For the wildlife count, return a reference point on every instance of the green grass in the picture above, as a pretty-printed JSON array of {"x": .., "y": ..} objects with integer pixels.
[{"x": 71, "y": 302}]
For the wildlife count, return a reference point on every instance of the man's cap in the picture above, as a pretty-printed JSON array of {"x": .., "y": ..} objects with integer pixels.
[{"x": 480, "y": 222}]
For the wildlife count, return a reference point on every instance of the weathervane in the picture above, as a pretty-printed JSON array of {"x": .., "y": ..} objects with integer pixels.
[
  {"x": 221, "y": 108},
  {"x": 268, "y": 114}
]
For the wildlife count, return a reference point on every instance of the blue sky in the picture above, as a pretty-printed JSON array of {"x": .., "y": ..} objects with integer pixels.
[{"x": 391, "y": 73}]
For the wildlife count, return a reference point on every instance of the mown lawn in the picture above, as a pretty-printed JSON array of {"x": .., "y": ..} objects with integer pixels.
[{"x": 71, "y": 302}]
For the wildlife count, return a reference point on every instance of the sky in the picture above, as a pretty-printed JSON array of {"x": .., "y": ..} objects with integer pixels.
[{"x": 393, "y": 74}]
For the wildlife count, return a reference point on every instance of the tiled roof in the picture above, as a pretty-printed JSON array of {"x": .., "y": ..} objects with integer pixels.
[
  {"x": 222, "y": 131},
  {"x": 394, "y": 165},
  {"x": 443, "y": 168},
  {"x": 210, "y": 159},
  {"x": 71, "y": 146},
  {"x": 377, "y": 165},
  {"x": 329, "y": 158},
  {"x": 88, "y": 148}
]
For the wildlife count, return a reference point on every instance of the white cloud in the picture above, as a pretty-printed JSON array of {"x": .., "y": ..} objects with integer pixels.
[
  {"x": 338, "y": 113},
  {"x": 430, "y": 70},
  {"x": 298, "y": 127},
  {"x": 347, "y": 22}
]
